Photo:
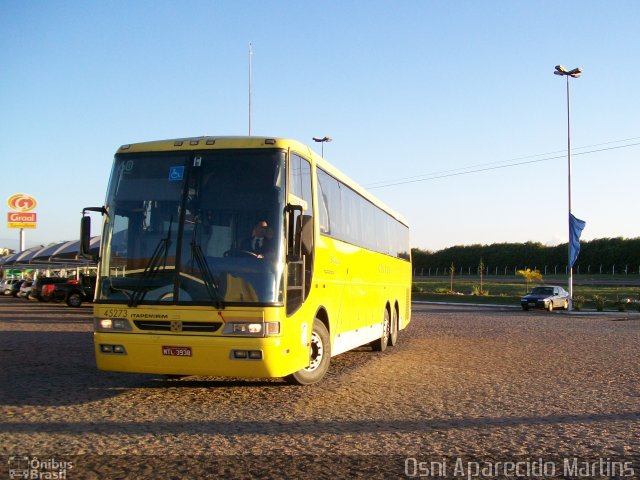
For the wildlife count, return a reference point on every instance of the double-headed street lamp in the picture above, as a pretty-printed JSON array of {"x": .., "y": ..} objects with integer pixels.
[
  {"x": 575, "y": 73},
  {"x": 322, "y": 140}
]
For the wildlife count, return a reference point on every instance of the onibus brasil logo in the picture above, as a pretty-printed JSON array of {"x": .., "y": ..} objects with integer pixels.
[
  {"x": 26, "y": 467},
  {"x": 22, "y": 202}
]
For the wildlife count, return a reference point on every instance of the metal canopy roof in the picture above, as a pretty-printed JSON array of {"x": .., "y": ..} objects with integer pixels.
[{"x": 59, "y": 255}]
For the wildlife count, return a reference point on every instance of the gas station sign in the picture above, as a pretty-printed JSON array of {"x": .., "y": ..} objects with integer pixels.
[
  {"x": 21, "y": 220},
  {"x": 22, "y": 216}
]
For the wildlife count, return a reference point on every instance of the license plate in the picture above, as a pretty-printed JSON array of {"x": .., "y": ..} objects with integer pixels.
[
  {"x": 177, "y": 351},
  {"x": 532, "y": 304}
]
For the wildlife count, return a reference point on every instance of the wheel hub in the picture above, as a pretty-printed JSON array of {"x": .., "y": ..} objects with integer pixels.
[{"x": 316, "y": 352}]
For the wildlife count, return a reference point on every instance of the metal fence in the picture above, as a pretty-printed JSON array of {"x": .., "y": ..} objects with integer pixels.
[{"x": 508, "y": 270}]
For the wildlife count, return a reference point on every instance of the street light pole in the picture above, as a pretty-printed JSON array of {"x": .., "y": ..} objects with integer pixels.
[
  {"x": 322, "y": 141},
  {"x": 575, "y": 73}
]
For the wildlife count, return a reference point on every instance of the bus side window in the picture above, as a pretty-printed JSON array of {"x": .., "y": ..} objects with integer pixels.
[
  {"x": 300, "y": 180},
  {"x": 329, "y": 204},
  {"x": 323, "y": 210}
]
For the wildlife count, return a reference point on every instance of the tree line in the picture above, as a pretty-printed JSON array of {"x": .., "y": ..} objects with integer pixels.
[{"x": 600, "y": 255}]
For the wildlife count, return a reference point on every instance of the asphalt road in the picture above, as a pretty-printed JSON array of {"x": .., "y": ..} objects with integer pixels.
[{"x": 466, "y": 388}]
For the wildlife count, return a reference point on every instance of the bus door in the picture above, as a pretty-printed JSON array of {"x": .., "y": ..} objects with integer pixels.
[{"x": 300, "y": 238}]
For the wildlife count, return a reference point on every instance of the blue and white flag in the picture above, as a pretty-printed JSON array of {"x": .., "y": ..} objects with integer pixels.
[{"x": 575, "y": 229}]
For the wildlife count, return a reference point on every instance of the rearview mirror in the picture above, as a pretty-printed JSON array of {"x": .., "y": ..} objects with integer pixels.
[
  {"x": 85, "y": 238},
  {"x": 306, "y": 234},
  {"x": 85, "y": 232},
  {"x": 293, "y": 233}
]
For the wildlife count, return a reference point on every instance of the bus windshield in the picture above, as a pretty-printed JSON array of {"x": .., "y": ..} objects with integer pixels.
[{"x": 195, "y": 227}]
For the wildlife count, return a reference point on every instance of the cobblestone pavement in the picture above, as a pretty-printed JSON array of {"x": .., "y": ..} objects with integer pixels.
[{"x": 463, "y": 385}]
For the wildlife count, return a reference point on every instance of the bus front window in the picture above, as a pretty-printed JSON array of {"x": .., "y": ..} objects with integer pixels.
[
  {"x": 178, "y": 228},
  {"x": 143, "y": 205}
]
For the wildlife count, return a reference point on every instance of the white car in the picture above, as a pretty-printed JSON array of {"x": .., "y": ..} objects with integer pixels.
[{"x": 25, "y": 289}]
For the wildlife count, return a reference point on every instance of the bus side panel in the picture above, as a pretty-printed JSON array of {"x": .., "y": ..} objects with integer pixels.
[
  {"x": 328, "y": 289},
  {"x": 356, "y": 285}
]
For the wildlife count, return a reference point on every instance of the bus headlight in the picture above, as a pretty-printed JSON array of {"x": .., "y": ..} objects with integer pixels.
[
  {"x": 111, "y": 324},
  {"x": 247, "y": 328},
  {"x": 251, "y": 329}
]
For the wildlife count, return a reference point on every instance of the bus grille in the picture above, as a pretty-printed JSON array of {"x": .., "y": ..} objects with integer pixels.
[{"x": 161, "y": 325}]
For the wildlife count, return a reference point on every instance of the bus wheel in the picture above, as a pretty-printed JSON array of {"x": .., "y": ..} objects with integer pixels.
[
  {"x": 380, "y": 345},
  {"x": 319, "y": 357},
  {"x": 393, "y": 334}
]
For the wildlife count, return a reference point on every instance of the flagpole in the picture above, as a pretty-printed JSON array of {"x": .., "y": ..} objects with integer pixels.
[
  {"x": 575, "y": 73},
  {"x": 569, "y": 201},
  {"x": 250, "y": 84}
]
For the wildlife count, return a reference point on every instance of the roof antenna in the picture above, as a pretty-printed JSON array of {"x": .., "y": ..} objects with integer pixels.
[{"x": 250, "y": 84}]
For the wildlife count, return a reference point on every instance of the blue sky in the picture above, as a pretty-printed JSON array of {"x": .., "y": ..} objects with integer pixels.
[{"x": 406, "y": 89}]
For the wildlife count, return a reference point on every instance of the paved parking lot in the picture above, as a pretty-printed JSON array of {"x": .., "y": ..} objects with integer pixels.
[{"x": 464, "y": 385}]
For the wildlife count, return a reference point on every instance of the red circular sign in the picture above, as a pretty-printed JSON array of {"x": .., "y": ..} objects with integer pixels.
[{"x": 22, "y": 202}]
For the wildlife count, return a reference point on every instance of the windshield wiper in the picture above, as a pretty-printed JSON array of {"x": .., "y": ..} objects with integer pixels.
[
  {"x": 213, "y": 290},
  {"x": 157, "y": 262}
]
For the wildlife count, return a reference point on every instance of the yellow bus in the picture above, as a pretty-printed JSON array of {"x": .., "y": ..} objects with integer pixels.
[{"x": 242, "y": 257}]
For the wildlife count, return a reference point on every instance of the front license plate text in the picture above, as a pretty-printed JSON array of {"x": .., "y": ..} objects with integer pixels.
[{"x": 177, "y": 351}]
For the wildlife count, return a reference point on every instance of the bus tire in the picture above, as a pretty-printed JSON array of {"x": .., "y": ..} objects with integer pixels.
[
  {"x": 380, "y": 345},
  {"x": 394, "y": 328},
  {"x": 319, "y": 357}
]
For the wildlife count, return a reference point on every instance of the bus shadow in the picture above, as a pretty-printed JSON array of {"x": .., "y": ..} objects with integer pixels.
[
  {"x": 57, "y": 368},
  {"x": 54, "y": 368},
  {"x": 188, "y": 381}
]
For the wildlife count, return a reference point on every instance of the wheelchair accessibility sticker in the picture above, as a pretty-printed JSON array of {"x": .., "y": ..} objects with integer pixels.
[{"x": 176, "y": 173}]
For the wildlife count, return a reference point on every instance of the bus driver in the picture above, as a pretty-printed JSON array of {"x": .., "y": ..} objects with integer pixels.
[{"x": 260, "y": 241}]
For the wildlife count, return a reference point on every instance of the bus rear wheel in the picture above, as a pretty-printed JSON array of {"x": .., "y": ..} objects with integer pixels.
[
  {"x": 319, "y": 357},
  {"x": 380, "y": 345},
  {"x": 393, "y": 329}
]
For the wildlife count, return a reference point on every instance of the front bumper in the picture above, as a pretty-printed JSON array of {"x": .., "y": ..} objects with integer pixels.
[{"x": 210, "y": 356}]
